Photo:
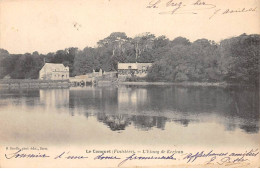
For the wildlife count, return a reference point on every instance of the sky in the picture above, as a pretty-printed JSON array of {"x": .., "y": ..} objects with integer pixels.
[{"x": 50, "y": 25}]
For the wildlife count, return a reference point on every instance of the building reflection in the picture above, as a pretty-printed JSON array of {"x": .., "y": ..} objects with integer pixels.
[
  {"x": 147, "y": 107},
  {"x": 154, "y": 106},
  {"x": 131, "y": 100},
  {"x": 93, "y": 100},
  {"x": 117, "y": 108},
  {"x": 54, "y": 98}
]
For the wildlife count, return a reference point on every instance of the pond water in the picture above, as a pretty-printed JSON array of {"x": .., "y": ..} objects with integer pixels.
[{"x": 145, "y": 115}]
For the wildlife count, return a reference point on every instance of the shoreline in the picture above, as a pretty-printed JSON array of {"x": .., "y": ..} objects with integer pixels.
[
  {"x": 20, "y": 83},
  {"x": 203, "y": 84}
]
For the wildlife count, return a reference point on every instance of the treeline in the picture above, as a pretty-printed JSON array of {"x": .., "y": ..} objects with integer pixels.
[
  {"x": 234, "y": 59},
  {"x": 27, "y": 66}
]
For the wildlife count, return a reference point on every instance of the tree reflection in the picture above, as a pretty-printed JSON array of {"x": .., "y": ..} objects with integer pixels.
[
  {"x": 148, "y": 122},
  {"x": 114, "y": 122},
  {"x": 184, "y": 122},
  {"x": 152, "y": 106},
  {"x": 250, "y": 128},
  {"x": 120, "y": 122}
]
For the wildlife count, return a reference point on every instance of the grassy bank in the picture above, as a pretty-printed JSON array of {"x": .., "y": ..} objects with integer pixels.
[
  {"x": 33, "y": 83},
  {"x": 12, "y": 81}
]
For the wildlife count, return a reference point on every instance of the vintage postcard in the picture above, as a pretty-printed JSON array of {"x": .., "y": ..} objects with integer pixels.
[{"x": 129, "y": 83}]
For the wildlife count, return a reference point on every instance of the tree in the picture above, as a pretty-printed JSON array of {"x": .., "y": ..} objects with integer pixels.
[
  {"x": 180, "y": 41},
  {"x": 113, "y": 49},
  {"x": 234, "y": 60},
  {"x": 242, "y": 54},
  {"x": 4, "y": 54},
  {"x": 85, "y": 61},
  {"x": 143, "y": 43}
]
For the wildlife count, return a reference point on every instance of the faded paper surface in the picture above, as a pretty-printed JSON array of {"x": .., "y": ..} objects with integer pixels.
[{"x": 56, "y": 128}]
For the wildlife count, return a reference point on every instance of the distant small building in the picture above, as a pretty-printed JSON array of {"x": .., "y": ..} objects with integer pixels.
[
  {"x": 97, "y": 77},
  {"x": 133, "y": 69},
  {"x": 110, "y": 74},
  {"x": 7, "y": 77},
  {"x": 52, "y": 71},
  {"x": 81, "y": 78}
]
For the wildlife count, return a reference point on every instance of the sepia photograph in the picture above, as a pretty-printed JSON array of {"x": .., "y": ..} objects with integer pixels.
[{"x": 129, "y": 83}]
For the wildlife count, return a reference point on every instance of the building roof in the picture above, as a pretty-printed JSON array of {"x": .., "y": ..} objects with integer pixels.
[
  {"x": 133, "y": 65},
  {"x": 55, "y": 66}
]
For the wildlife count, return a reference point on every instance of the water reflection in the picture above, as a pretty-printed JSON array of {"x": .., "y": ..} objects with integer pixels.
[
  {"x": 148, "y": 107},
  {"x": 114, "y": 122},
  {"x": 148, "y": 122},
  {"x": 54, "y": 98},
  {"x": 153, "y": 106},
  {"x": 19, "y": 97}
]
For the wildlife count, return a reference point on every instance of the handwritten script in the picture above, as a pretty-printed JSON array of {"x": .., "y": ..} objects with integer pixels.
[
  {"x": 172, "y": 7},
  {"x": 223, "y": 158},
  {"x": 210, "y": 157}
]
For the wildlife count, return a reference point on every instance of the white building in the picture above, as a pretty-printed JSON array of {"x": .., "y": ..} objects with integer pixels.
[
  {"x": 51, "y": 71},
  {"x": 133, "y": 69}
]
